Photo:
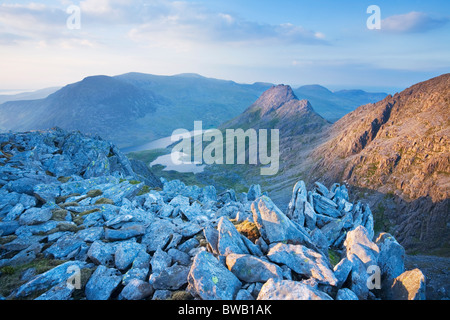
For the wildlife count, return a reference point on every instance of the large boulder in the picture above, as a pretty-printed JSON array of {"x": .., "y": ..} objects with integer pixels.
[
  {"x": 359, "y": 243},
  {"x": 303, "y": 261},
  {"x": 290, "y": 290},
  {"x": 102, "y": 283},
  {"x": 229, "y": 240},
  {"x": 274, "y": 225},
  {"x": 211, "y": 280},
  {"x": 49, "y": 279},
  {"x": 410, "y": 285},
  {"x": 251, "y": 269},
  {"x": 391, "y": 259}
]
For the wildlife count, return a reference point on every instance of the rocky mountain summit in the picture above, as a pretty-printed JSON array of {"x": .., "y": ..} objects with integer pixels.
[
  {"x": 279, "y": 108},
  {"x": 79, "y": 222},
  {"x": 399, "y": 147}
]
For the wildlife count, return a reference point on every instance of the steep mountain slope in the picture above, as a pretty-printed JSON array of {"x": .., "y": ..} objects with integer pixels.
[
  {"x": 33, "y": 95},
  {"x": 334, "y": 105},
  {"x": 399, "y": 147},
  {"x": 279, "y": 108},
  {"x": 133, "y": 108},
  {"x": 96, "y": 105},
  {"x": 191, "y": 97}
]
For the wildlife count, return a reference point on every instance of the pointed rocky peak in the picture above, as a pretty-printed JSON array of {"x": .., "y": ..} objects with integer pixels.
[{"x": 274, "y": 98}]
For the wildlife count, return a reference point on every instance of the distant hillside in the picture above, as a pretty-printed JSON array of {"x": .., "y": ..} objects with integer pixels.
[
  {"x": 334, "y": 105},
  {"x": 32, "y": 95},
  {"x": 97, "y": 105},
  {"x": 135, "y": 108}
]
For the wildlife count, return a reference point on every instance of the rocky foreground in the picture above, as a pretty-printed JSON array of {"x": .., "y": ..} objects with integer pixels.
[{"x": 80, "y": 221}]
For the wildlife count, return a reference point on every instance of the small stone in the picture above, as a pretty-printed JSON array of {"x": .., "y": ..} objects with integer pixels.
[{"x": 136, "y": 290}]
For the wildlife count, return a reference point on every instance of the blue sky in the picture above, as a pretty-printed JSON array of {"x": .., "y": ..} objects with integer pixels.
[{"x": 292, "y": 42}]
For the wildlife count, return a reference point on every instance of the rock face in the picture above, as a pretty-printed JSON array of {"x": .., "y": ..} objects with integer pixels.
[
  {"x": 102, "y": 235},
  {"x": 398, "y": 147},
  {"x": 279, "y": 105}
]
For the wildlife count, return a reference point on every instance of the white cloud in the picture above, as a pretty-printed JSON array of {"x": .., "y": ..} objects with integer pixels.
[
  {"x": 160, "y": 23},
  {"x": 412, "y": 22},
  {"x": 38, "y": 24}
]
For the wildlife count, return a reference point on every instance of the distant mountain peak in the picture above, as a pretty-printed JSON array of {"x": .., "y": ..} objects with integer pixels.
[
  {"x": 273, "y": 98},
  {"x": 278, "y": 107},
  {"x": 190, "y": 75}
]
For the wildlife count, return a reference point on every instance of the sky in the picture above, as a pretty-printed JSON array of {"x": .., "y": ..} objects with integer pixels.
[{"x": 332, "y": 43}]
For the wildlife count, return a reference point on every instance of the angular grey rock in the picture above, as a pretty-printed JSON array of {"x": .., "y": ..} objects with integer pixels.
[
  {"x": 310, "y": 216},
  {"x": 230, "y": 240},
  {"x": 320, "y": 188},
  {"x": 136, "y": 290},
  {"x": 172, "y": 278},
  {"x": 118, "y": 221},
  {"x": 368, "y": 221},
  {"x": 188, "y": 245},
  {"x": 290, "y": 290},
  {"x": 191, "y": 212},
  {"x": 102, "y": 283},
  {"x": 244, "y": 295},
  {"x": 91, "y": 234},
  {"x": 15, "y": 212},
  {"x": 126, "y": 252},
  {"x": 391, "y": 259},
  {"x": 211, "y": 280},
  {"x": 166, "y": 210},
  {"x": 179, "y": 257},
  {"x": 23, "y": 257},
  {"x": 162, "y": 295},
  {"x": 325, "y": 206},
  {"x": 209, "y": 193},
  {"x": 179, "y": 201},
  {"x": 9, "y": 227},
  {"x": 274, "y": 225},
  {"x": 59, "y": 292},
  {"x": 35, "y": 216},
  {"x": 303, "y": 261},
  {"x": 158, "y": 234},
  {"x": 135, "y": 273},
  {"x": 333, "y": 230},
  {"x": 251, "y": 269},
  {"x": 47, "y": 192},
  {"x": 160, "y": 261},
  {"x": 254, "y": 192},
  {"x": 37, "y": 229},
  {"x": 296, "y": 208},
  {"x": 359, "y": 278},
  {"x": 48, "y": 279},
  {"x": 252, "y": 248},
  {"x": 410, "y": 285},
  {"x": 102, "y": 253},
  {"x": 358, "y": 243},
  {"x": 128, "y": 231},
  {"x": 342, "y": 271},
  {"x": 346, "y": 294},
  {"x": 22, "y": 242},
  {"x": 66, "y": 247}
]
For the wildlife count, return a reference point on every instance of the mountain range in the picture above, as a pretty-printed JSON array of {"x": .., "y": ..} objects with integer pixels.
[
  {"x": 135, "y": 108},
  {"x": 395, "y": 153}
]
